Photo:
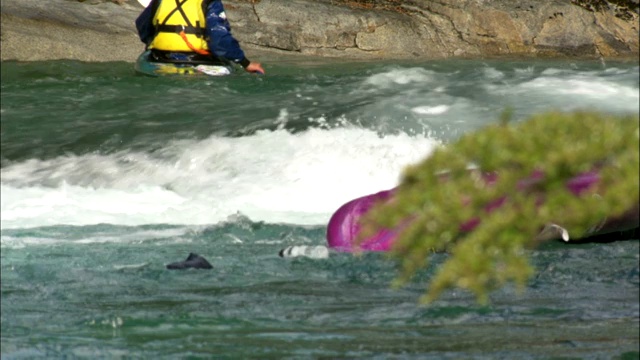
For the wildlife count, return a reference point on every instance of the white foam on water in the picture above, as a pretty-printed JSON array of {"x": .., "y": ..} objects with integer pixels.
[
  {"x": 272, "y": 176},
  {"x": 7, "y": 241},
  {"x": 130, "y": 235},
  {"x": 431, "y": 110},
  {"x": 569, "y": 90},
  {"x": 491, "y": 73},
  {"x": 525, "y": 71},
  {"x": 593, "y": 88},
  {"x": 301, "y": 178},
  {"x": 400, "y": 77}
]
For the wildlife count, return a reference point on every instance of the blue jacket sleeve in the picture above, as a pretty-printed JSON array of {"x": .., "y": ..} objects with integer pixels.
[
  {"x": 220, "y": 41},
  {"x": 144, "y": 23}
]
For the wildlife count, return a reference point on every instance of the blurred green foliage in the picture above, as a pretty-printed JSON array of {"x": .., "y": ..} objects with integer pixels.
[{"x": 441, "y": 193}]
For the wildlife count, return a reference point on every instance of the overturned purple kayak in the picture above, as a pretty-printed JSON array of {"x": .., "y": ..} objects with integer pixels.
[{"x": 344, "y": 228}]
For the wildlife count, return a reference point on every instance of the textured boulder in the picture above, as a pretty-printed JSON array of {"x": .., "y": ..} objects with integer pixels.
[{"x": 101, "y": 30}]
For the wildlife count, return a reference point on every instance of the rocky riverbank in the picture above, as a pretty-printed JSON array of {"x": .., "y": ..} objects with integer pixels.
[{"x": 103, "y": 30}]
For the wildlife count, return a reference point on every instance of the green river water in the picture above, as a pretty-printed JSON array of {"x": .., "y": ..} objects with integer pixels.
[{"x": 108, "y": 176}]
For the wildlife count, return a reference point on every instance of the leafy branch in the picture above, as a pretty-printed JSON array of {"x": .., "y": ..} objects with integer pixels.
[{"x": 522, "y": 177}]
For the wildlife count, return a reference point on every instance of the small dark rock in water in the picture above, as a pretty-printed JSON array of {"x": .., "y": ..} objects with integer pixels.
[{"x": 193, "y": 261}]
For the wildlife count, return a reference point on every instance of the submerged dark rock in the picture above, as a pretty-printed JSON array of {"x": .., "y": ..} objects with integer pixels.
[{"x": 193, "y": 261}]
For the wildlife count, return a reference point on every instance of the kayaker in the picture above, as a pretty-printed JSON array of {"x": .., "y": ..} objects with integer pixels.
[{"x": 191, "y": 31}]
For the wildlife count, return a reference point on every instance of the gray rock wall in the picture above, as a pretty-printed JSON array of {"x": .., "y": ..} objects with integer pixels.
[{"x": 101, "y": 30}]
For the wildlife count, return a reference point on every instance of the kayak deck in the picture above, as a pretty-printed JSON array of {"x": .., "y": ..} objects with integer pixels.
[{"x": 146, "y": 67}]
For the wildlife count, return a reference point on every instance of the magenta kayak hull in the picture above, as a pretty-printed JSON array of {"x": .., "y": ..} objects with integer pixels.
[{"x": 344, "y": 229}]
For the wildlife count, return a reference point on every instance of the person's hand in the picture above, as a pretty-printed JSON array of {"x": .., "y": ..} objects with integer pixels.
[{"x": 254, "y": 67}]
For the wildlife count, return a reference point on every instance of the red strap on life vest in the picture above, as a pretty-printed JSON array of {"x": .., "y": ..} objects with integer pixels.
[{"x": 183, "y": 35}]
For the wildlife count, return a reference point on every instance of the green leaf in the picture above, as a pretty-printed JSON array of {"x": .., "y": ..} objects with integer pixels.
[{"x": 441, "y": 193}]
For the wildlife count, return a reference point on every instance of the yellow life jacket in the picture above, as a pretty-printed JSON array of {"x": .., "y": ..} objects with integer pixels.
[{"x": 175, "y": 16}]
